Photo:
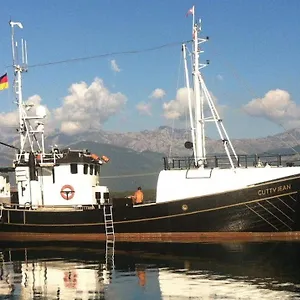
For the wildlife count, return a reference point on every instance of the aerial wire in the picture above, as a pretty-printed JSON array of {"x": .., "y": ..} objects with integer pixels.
[
  {"x": 70, "y": 60},
  {"x": 254, "y": 96}
]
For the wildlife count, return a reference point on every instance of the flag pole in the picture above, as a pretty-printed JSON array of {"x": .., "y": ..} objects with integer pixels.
[{"x": 193, "y": 17}]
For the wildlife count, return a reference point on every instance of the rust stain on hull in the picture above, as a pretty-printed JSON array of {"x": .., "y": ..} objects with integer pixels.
[{"x": 190, "y": 237}]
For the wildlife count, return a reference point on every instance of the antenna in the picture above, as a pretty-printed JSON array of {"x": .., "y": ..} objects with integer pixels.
[
  {"x": 15, "y": 51},
  {"x": 31, "y": 126},
  {"x": 22, "y": 51},
  {"x": 26, "y": 57}
]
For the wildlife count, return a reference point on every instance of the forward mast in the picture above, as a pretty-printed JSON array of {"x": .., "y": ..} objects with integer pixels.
[{"x": 31, "y": 124}]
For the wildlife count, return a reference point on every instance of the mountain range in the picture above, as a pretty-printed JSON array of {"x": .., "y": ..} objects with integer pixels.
[
  {"x": 169, "y": 140},
  {"x": 136, "y": 157}
]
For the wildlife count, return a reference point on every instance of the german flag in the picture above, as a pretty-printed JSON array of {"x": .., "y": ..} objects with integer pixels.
[{"x": 3, "y": 82}]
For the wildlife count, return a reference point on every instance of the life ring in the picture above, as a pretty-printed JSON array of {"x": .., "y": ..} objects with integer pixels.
[
  {"x": 95, "y": 157},
  {"x": 67, "y": 192},
  {"x": 105, "y": 158},
  {"x": 70, "y": 279}
]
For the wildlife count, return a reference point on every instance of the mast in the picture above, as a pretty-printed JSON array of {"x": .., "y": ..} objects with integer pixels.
[
  {"x": 30, "y": 124},
  {"x": 18, "y": 69},
  {"x": 189, "y": 99},
  {"x": 199, "y": 146},
  {"x": 202, "y": 97}
]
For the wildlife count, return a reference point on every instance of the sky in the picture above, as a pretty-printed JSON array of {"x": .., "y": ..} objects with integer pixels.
[{"x": 253, "y": 75}]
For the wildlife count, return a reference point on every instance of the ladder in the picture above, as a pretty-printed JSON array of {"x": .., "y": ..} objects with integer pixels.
[
  {"x": 110, "y": 255},
  {"x": 108, "y": 222},
  {"x": 110, "y": 237}
]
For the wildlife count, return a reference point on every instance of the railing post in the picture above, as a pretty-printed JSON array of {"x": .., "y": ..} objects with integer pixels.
[
  {"x": 216, "y": 162},
  {"x": 279, "y": 160},
  {"x": 165, "y": 163}
]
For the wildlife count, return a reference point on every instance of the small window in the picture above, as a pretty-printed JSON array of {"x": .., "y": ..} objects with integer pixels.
[
  {"x": 74, "y": 169},
  {"x": 97, "y": 170},
  {"x": 85, "y": 168},
  {"x": 106, "y": 196},
  {"x": 91, "y": 169},
  {"x": 53, "y": 176}
]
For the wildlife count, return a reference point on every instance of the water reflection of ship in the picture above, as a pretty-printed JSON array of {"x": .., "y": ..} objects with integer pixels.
[
  {"x": 30, "y": 274},
  {"x": 169, "y": 271},
  {"x": 249, "y": 270}
]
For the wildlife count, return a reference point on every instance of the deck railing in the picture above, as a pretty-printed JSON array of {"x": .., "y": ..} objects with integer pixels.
[{"x": 243, "y": 161}]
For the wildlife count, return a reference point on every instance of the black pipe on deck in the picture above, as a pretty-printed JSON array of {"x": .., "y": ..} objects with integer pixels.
[{"x": 32, "y": 169}]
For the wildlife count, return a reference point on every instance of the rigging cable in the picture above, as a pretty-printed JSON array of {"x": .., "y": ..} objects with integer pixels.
[
  {"x": 107, "y": 54},
  {"x": 252, "y": 93},
  {"x": 173, "y": 120}
]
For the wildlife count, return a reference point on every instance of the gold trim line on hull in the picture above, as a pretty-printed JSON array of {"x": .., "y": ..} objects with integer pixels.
[{"x": 156, "y": 218}]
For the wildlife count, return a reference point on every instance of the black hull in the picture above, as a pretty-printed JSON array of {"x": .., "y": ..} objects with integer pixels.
[{"x": 271, "y": 207}]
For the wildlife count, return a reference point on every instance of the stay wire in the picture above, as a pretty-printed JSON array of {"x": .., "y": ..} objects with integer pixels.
[
  {"x": 252, "y": 93},
  {"x": 71, "y": 60},
  {"x": 173, "y": 120}
]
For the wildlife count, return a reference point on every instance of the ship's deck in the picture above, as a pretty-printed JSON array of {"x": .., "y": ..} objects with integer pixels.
[{"x": 243, "y": 161}]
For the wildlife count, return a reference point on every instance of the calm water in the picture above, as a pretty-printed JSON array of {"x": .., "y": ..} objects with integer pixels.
[{"x": 151, "y": 271}]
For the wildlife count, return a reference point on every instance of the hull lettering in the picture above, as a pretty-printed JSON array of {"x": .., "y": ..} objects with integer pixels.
[{"x": 274, "y": 190}]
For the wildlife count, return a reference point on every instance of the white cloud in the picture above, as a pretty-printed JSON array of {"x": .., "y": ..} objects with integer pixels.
[
  {"x": 114, "y": 66},
  {"x": 87, "y": 107},
  {"x": 178, "y": 108},
  {"x": 9, "y": 122},
  {"x": 276, "y": 106},
  {"x": 157, "y": 94},
  {"x": 144, "y": 108},
  {"x": 220, "y": 77}
]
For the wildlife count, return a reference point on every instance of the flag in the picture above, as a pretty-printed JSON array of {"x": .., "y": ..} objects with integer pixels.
[
  {"x": 19, "y": 24},
  {"x": 3, "y": 82},
  {"x": 191, "y": 11}
]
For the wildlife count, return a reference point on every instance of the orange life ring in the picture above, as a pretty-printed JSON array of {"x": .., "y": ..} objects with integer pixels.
[
  {"x": 105, "y": 158},
  {"x": 67, "y": 192},
  {"x": 70, "y": 279},
  {"x": 95, "y": 157}
]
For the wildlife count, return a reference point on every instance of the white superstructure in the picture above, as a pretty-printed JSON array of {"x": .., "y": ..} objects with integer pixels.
[{"x": 55, "y": 178}]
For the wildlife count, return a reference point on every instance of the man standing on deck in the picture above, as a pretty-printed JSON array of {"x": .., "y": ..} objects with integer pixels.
[{"x": 138, "y": 196}]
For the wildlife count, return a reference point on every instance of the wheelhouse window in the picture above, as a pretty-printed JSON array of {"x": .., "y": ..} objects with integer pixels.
[
  {"x": 74, "y": 168},
  {"x": 97, "y": 170},
  {"x": 85, "y": 168},
  {"x": 91, "y": 169}
]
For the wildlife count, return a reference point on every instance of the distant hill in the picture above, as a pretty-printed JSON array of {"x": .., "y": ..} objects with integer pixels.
[
  {"x": 127, "y": 169},
  {"x": 140, "y": 153},
  {"x": 169, "y": 140}
]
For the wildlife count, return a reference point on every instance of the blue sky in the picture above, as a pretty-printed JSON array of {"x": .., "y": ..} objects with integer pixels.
[{"x": 253, "y": 50}]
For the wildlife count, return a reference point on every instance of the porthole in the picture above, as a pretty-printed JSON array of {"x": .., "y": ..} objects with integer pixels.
[{"x": 184, "y": 207}]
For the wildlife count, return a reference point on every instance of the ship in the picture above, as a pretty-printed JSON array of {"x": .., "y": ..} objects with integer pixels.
[{"x": 59, "y": 195}]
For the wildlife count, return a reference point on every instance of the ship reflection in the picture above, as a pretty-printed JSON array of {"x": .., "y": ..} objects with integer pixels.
[
  {"x": 151, "y": 271},
  {"x": 52, "y": 279}
]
